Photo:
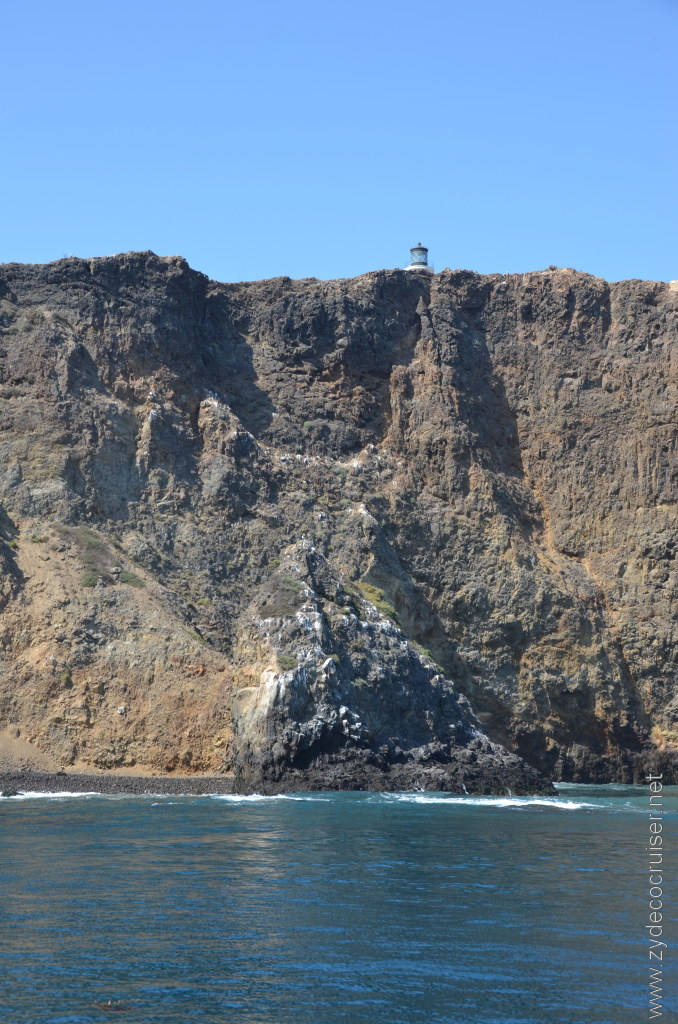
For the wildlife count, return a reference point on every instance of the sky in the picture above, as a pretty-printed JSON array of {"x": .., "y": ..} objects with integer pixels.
[{"x": 318, "y": 138}]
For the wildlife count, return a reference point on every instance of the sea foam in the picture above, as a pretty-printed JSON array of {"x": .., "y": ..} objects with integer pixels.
[
  {"x": 37, "y": 795},
  {"x": 556, "y": 803}
]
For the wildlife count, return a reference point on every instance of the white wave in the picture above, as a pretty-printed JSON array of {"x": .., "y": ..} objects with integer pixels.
[
  {"x": 237, "y": 798},
  {"x": 493, "y": 801},
  {"x": 307, "y": 799},
  {"x": 167, "y": 799},
  {"x": 37, "y": 795}
]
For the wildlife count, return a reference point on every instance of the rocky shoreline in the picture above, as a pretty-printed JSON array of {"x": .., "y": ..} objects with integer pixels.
[
  {"x": 12, "y": 783},
  {"x": 333, "y": 775}
]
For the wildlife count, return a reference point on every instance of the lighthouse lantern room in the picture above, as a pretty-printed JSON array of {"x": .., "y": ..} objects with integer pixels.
[{"x": 419, "y": 258}]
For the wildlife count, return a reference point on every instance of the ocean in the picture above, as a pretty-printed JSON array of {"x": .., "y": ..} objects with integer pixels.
[{"x": 330, "y": 908}]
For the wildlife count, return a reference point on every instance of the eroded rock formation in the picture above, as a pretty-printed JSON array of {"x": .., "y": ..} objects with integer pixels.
[{"x": 286, "y": 527}]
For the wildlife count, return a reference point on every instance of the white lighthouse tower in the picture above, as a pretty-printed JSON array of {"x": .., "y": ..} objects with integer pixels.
[{"x": 419, "y": 259}]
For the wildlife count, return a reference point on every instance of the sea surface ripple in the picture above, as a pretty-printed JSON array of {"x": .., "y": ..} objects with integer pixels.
[{"x": 326, "y": 908}]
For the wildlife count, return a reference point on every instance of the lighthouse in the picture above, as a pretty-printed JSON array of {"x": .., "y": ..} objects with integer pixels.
[{"x": 419, "y": 258}]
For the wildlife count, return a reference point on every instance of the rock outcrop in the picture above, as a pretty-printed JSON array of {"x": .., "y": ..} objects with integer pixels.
[
  {"x": 341, "y": 699},
  {"x": 374, "y": 532}
]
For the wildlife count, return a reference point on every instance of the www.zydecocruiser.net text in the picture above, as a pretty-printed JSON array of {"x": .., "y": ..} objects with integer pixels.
[{"x": 655, "y": 928}]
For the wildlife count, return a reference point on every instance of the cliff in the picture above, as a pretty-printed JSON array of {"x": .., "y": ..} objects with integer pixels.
[{"x": 358, "y": 532}]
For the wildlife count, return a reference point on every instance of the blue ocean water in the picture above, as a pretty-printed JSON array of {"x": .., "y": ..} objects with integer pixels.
[{"x": 327, "y": 909}]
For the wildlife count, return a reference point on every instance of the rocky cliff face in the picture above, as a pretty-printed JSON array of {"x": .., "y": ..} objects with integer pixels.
[{"x": 292, "y": 528}]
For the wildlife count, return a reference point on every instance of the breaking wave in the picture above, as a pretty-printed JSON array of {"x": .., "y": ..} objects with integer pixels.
[{"x": 555, "y": 803}]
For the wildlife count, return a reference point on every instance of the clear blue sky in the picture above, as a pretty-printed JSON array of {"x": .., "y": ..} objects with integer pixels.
[{"x": 324, "y": 137}]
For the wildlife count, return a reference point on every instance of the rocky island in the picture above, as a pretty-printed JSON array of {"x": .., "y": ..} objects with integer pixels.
[{"x": 399, "y": 531}]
